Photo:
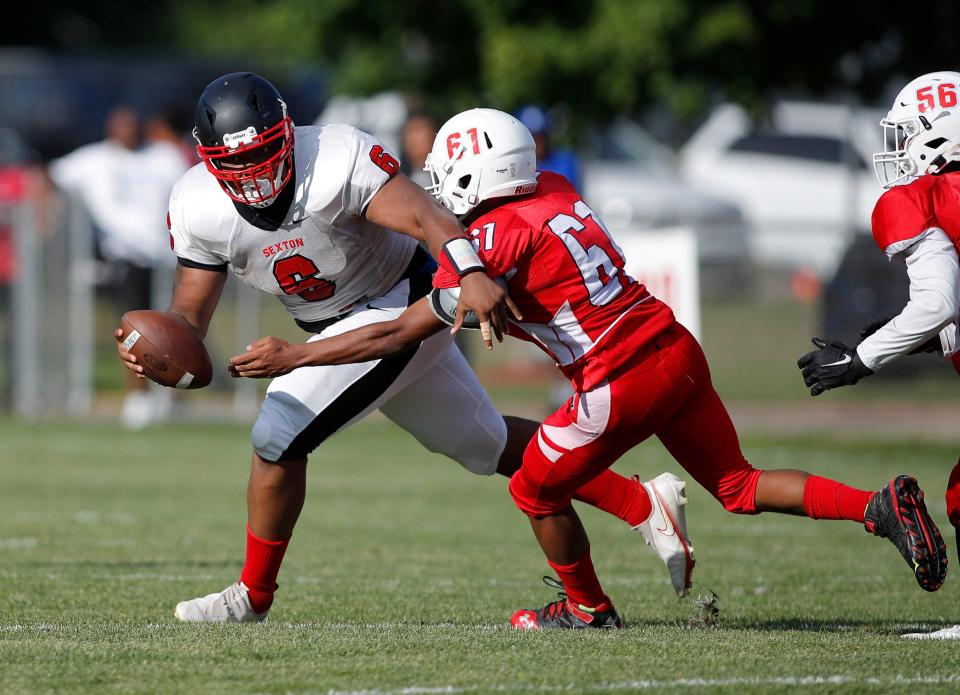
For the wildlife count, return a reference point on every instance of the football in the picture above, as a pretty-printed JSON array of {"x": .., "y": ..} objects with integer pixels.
[
  {"x": 443, "y": 304},
  {"x": 167, "y": 348}
]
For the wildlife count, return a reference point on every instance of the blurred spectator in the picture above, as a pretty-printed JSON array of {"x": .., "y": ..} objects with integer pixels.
[
  {"x": 14, "y": 184},
  {"x": 166, "y": 134},
  {"x": 124, "y": 189},
  {"x": 165, "y": 156},
  {"x": 549, "y": 158},
  {"x": 416, "y": 143}
]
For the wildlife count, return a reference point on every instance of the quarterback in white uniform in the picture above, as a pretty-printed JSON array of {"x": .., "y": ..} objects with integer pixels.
[
  {"x": 305, "y": 218},
  {"x": 320, "y": 217}
]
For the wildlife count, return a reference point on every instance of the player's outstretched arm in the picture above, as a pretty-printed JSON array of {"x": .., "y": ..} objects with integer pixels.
[
  {"x": 934, "y": 273},
  {"x": 271, "y": 357},
  {"x": 403, "y": 206},
  {"x": 196, "y": 293}
]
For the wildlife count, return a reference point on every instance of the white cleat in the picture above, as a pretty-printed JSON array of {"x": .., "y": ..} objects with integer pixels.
[
  {"x": 945, "y": 633},
  {"x": 232, "y": 605},
  {"x": 666, "y": 529}
]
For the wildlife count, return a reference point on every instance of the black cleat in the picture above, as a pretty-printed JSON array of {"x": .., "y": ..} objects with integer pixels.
[
  {"x": 897, "y": 512},
  {"x": 564, "y": 615}
]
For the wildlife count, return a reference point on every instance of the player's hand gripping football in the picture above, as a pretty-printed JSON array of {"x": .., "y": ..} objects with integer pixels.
[
  {"x": 128, "y": 360},
  {"x": 830, "y": 366},
  {"x": 266, "y": 358},
  {"x": 490, "y": 302}
]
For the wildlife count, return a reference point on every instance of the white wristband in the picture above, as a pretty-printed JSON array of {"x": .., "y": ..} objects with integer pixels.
[{"x": 461, "y": 256}]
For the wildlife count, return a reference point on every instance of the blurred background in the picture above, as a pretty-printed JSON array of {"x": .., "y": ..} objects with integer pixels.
[{"x": 727, "y": 145}]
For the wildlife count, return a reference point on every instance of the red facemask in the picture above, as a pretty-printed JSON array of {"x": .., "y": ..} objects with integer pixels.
[{"x": 255, "y": 168}]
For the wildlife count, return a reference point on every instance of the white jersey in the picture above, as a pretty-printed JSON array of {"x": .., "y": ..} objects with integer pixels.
[{"x": 325, "y": 258}]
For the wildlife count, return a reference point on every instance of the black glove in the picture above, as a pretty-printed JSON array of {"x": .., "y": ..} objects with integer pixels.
[
  {"x": 932, "y": 345},
  {"x": 831, "y": 365}
]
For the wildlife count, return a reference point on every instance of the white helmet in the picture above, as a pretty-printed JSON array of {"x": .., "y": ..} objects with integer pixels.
[
  {"x": 481, "y": 154},
  {"x": 921, "y": 133}
]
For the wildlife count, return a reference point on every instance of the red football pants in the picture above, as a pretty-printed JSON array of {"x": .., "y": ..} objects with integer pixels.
[{"x": 668, "y": 393}]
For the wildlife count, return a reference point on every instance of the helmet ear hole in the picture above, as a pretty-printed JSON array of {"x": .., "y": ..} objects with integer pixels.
[
  {"x": 935, "y": 143},
  {"x": 464, "y": 180}
]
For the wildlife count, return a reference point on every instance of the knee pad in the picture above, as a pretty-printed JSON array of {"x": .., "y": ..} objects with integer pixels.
[
  {"x": 281, "y": 420},
  {"x": 260, "y": 438},
  {"x": 479, "y": 452}
]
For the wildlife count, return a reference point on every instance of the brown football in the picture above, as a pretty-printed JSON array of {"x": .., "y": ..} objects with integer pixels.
[{"x": 167, "y": 348}]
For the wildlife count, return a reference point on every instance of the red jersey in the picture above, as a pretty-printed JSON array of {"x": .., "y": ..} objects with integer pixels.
[
  {"x": 566, "y": 275},
  {"x": 905, "y": 212}
]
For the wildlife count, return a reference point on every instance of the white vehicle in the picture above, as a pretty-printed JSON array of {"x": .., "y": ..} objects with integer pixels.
[
  {"x": 634, "y": 184},
  {"x": 805, "y": 183}
]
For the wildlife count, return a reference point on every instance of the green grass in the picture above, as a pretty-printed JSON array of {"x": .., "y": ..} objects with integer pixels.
[{"x": 404, "y": 570}]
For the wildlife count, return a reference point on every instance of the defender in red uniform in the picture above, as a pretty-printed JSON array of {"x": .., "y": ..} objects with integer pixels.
[
  {"x": 916, "y": 222},
  {"x": 636, "y": 371}
]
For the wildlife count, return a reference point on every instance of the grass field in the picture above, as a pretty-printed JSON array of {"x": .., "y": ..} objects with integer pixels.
[{"x": 404, "y": 570}]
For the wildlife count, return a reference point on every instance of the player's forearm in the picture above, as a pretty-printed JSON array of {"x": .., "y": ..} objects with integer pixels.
[
  {"x": 371, "y": 342},
  {"x": 934, "y": 286},
  {"x": 196, "y": 294}
]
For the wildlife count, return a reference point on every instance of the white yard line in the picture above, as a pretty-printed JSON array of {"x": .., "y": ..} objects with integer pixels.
[{"x": 646, "y": 684}]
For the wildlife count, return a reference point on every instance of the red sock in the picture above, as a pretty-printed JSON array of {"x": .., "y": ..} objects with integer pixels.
[
  {"x": 953, "y": 497},
  {"x": 625, "y": 498},
  {"x": 581, "y": 583},
  {"x": 261, "y": 569},
  {"x": 828, "y": 499}
]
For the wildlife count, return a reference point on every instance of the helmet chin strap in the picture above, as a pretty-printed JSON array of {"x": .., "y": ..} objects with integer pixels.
[
  {"x": 448, "y": 165},
  {"x": 447, "y": 169}
]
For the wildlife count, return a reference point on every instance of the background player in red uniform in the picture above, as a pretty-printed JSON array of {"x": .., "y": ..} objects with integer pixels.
[
  {"x": 916, "y": 223},
  {"x": 635, "y": 370}
]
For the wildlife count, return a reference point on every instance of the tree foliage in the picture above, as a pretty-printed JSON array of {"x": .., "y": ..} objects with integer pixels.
[{"x": 598, "y": 57}]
